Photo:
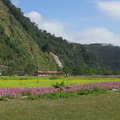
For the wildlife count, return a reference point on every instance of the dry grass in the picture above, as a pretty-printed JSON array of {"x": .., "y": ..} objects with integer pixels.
[{"x": 85, "y": 107}]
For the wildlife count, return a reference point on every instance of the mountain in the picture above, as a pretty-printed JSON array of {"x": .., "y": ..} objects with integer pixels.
[
  {"x": 17, "y": 48},
  {"x": 108, "y": 54},
  {"x": 25, "y": 47}
]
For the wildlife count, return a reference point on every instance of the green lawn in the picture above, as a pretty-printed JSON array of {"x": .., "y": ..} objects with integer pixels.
[
  {"x": 47, "y": 81},
  {"x": 85, "y": 107}
]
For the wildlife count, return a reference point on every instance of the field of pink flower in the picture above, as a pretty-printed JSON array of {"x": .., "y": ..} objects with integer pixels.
[{"x": 27, "y": 91}]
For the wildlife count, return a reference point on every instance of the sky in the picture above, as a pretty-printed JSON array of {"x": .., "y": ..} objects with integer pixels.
[{"x": 78, "y": 21}]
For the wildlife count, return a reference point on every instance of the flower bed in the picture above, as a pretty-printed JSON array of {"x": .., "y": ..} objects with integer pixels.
[
  {"x": 28, "y": 91},
  {"x": 102, "y": 85}
]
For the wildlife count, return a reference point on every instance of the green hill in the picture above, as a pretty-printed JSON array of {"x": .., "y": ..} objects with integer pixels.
[
  {"x": 17, "y": 48},
  {"x": 25, "y": 47},
  {"x": 108, "y": 54},
  {"x": 22, "y": 44}
]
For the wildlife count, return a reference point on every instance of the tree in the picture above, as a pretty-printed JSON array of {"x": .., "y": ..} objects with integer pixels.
[
  {"x": 47, "y": 48},
  {"x": 30, "y": 68}
]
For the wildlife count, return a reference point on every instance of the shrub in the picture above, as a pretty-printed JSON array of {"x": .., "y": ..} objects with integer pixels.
[
  {"x": 60, "y": 85},
  {"x": 3, "y": 98},
  {"x": 95, "y": 90},
  {"x": 84, "y": 92},
  {"x": 61, "y": 94},
  {"x": 99, "y": 90},
  {"x": 33, "y": 97}
]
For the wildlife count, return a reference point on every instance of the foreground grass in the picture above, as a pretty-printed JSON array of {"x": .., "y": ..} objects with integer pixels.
[
  {"x": 84, "y": 107},
  {"x": 47, "y": 81}
]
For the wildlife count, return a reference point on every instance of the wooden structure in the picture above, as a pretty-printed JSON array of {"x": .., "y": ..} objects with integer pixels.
[{"x": 46, "y": 72}]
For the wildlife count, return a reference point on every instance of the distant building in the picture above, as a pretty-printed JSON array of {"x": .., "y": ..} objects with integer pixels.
[{"x": 46, "y": 72}]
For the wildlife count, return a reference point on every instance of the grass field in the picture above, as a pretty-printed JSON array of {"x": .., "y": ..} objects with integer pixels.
[
  {"x": 47, "y": 81},
  {"x": 85, "y": 107}
]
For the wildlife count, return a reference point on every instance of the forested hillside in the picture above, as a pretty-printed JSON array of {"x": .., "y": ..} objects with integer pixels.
[
  {"x": 23, "y": 46},
  {"x": 108, "y": 54},
  {"x": 17, "y": 48}
]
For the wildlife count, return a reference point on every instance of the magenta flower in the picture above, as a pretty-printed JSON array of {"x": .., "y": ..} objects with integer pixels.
[{"x": 26, "y": 91}]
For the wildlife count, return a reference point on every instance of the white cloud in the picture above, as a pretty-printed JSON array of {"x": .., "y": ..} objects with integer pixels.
[
  {"x": 51, "y": 26},
  {"x": 97, "y": 35},
  {"x": 111, "y": 8},
  {"x": 15, "y": 2},
  {"x": 91, "y": 35}
]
